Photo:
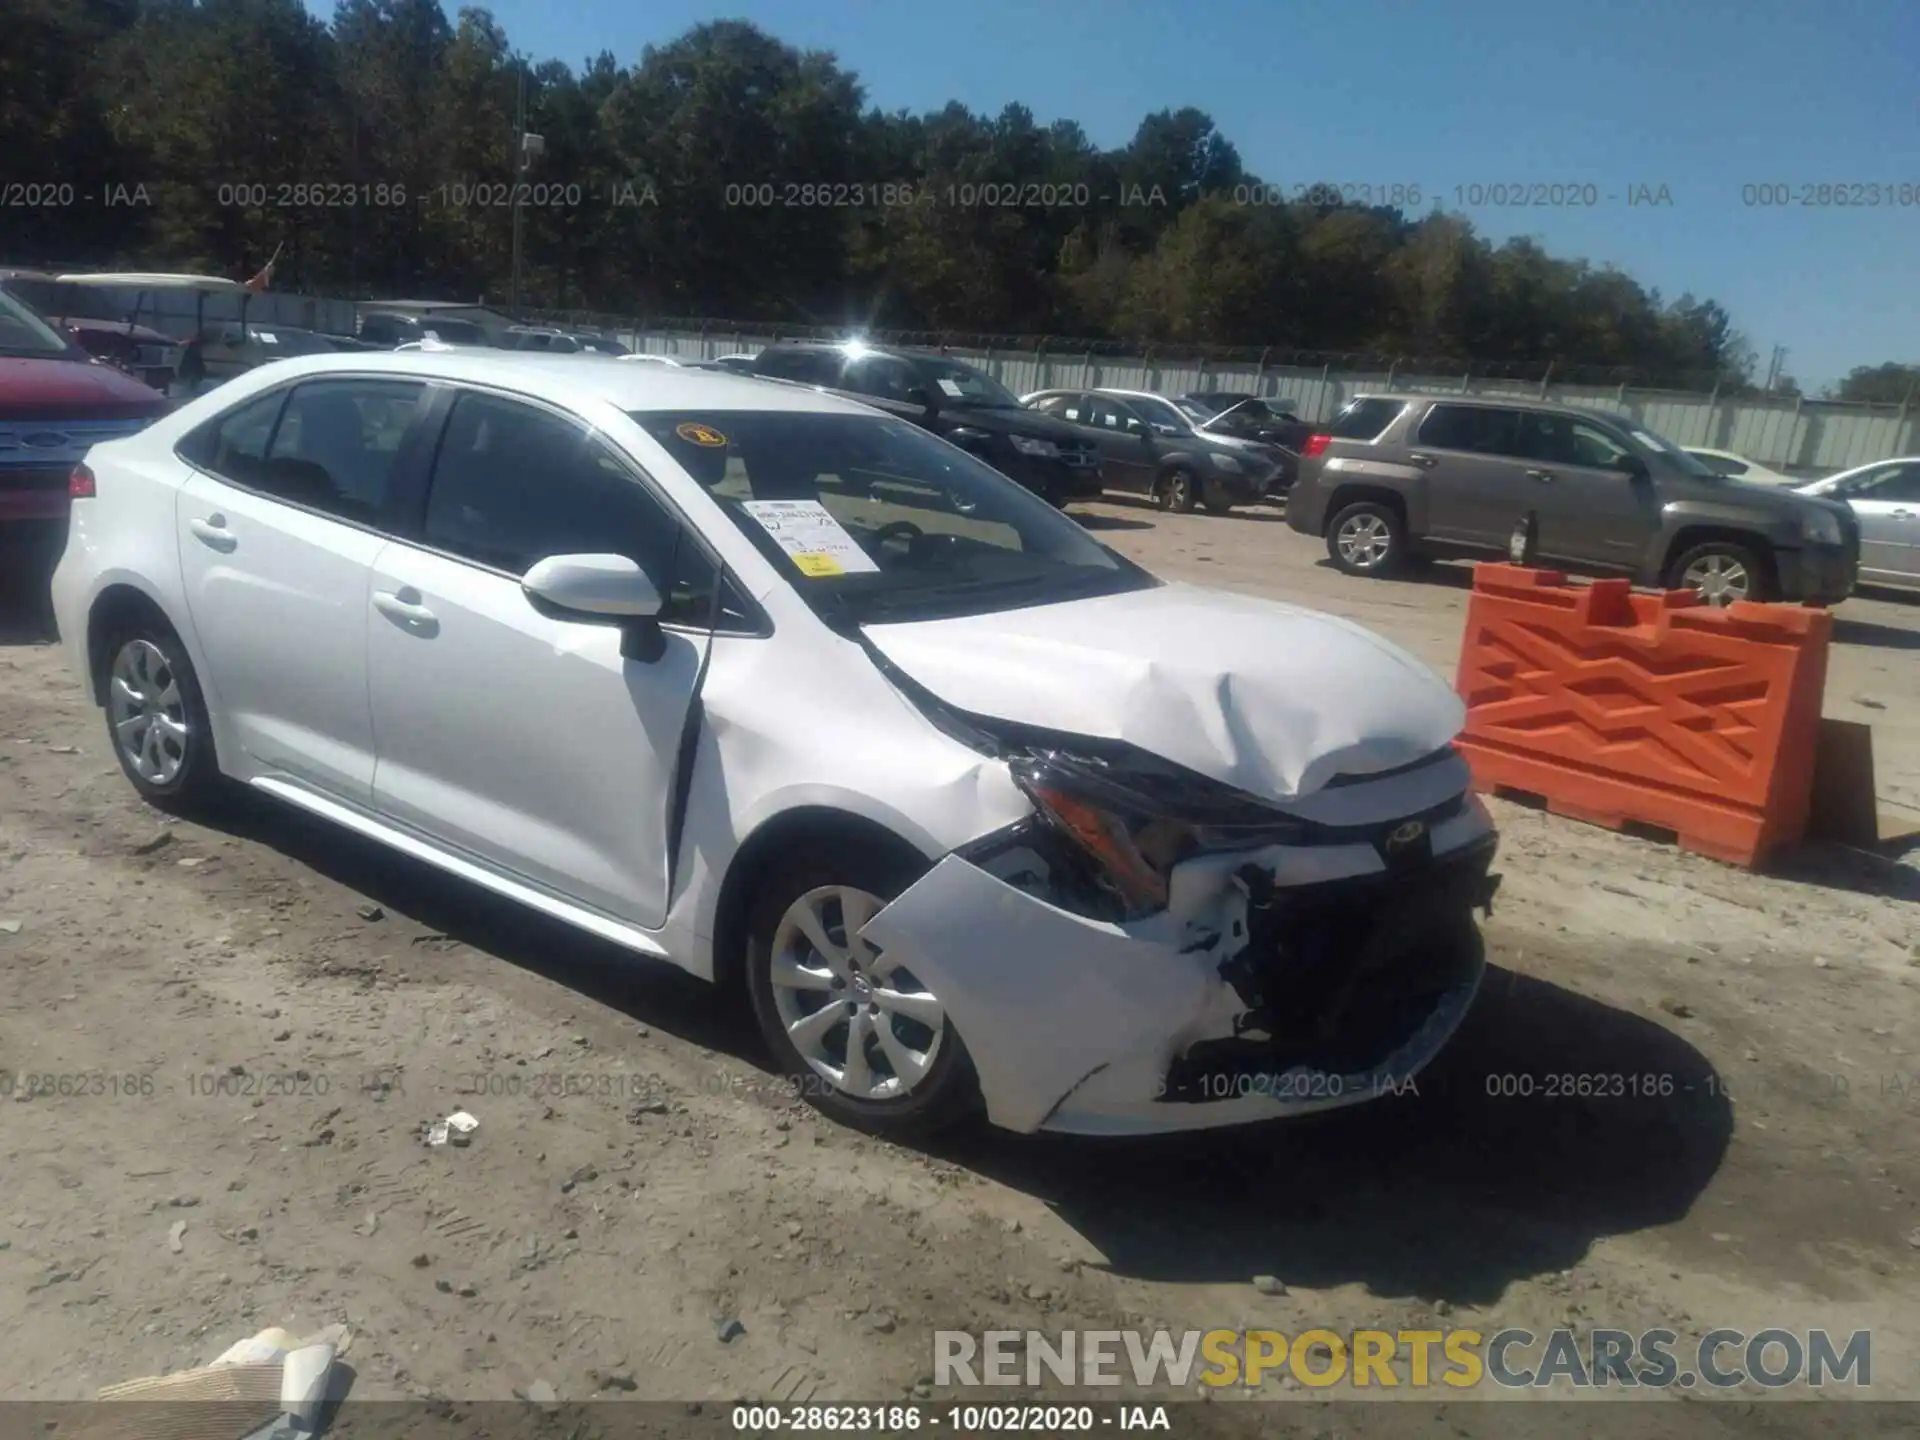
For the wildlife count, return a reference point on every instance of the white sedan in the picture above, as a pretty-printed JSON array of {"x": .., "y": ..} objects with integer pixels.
[
  {"x": 1885, "y": 497},
  {"x": 1739, "y": 467},
  {"x": 974, "y": 813}
]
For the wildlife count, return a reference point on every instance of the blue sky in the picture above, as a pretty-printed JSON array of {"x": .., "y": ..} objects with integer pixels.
[{"x": 1703, "y": 97}]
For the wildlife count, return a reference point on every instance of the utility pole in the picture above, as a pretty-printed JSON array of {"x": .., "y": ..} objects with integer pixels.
[{"x": 519, "y": 172}]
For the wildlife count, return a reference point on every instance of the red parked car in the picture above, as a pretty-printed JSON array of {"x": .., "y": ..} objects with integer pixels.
[{"x": 56, "y": 403}]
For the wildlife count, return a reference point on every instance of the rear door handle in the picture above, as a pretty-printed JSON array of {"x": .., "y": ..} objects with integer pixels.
[
  {"x": 1418, "y": 458},
  {"x": 213, "y": 531},
  {"x": 403, "y": 605},
  {"x": 1541, "y": 475}
]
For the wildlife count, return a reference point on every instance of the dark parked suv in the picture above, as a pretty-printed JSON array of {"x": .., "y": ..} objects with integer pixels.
[
  {"x": 956, "y": 402},
  {"x": 1403, "y": 475}
]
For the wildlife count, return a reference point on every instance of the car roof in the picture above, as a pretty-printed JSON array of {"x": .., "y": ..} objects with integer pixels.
[
  {"x": 1497, "y": 402},
  {"x": 564, "y": 378},
  {"x": 147, "y": 280}
]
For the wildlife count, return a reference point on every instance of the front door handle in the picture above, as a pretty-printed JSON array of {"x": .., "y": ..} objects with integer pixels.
[
  {"x": 403, "y": 605},
  {"x": 213, "y": 531},
  {"x": 1540, "y": 475},
  {"x": 1418, "y": 458},
  {"x": 1903, "y": 514}
]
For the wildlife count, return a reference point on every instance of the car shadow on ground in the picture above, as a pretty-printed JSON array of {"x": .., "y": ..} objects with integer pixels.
[
  {"x": 1487, "y": 1175},
  {"x": 1094, "y": 521},
  {"x": 1891, "y": 872},
  {"x": 1492, "y": 1173},
  {"x": 26, "y": 606},
  {"x": 1449, "y": 574},
  {"x": 1865, "y": 632}
]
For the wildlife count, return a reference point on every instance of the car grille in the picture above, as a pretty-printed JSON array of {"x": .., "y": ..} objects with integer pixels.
[
  {"x": 1081, "y": 454},
  {"x": 1338, "y": 978},
  {"x": 31, "y": 444}
]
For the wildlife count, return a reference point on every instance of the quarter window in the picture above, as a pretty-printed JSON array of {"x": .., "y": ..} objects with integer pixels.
[
  {"x": 1366, "y": 419},
  {"x": 513, "y": 484},
  {"x": 234, "y": 446}
]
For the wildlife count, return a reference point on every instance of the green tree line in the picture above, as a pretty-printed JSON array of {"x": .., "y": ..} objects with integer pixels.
[{"x": 731, "y": 175}]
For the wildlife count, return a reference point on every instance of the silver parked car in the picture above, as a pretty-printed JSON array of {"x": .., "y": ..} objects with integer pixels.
[{"x": 1885, "y": 497}]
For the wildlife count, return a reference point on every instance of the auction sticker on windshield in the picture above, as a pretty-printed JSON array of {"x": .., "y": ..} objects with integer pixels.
[
  {"x": 815, "y": 540},
  {"x": 952, "y": 387}
]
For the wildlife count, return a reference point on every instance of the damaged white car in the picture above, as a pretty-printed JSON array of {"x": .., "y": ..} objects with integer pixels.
[{"x": 975, "y": 813}]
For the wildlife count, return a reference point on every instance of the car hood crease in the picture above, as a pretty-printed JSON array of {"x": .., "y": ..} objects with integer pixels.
[{"x": 1269, "y": 698}]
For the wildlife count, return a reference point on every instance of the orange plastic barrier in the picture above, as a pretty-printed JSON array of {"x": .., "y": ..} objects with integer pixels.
[{"x": 1617, "y": 708}]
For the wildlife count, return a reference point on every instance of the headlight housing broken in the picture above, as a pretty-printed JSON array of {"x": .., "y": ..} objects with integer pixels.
[{"x": 1136, "y": 821}]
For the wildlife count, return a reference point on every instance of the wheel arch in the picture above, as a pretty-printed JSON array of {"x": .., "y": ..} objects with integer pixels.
[
  {"x": 117, "y": 605},
  {"x": 1355, "y": 493},
  {"x": 803, "y": 826},
  {"x": 1702, "y": 532}
]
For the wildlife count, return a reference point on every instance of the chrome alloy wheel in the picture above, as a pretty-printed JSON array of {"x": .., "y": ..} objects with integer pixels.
[
  {"x": 1363, "y": 540},
  {"x": 147, "y": 712},
  {"x": 864, "y": 1023},
  {"x": 1719, "y": 579}
]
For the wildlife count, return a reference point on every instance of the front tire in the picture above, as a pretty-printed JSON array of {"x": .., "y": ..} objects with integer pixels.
[
  {"x": 864, "y": 1040},
  {"x": 157, "y": 717},
  {"x": 1367, "y": 538},
  {"x": 1178, "y": 491},
  {"x": 1721, "y": 572}
]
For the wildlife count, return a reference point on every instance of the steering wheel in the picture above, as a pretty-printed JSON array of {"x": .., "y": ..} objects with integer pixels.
[{"x": 897, "y": 529}]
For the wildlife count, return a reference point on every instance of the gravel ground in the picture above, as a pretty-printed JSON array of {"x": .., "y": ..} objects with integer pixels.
[{"x": 281, "y": 1008}]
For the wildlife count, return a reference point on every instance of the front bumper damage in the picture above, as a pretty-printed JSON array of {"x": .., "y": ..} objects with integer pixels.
[{"x": 1278, "y": 981}]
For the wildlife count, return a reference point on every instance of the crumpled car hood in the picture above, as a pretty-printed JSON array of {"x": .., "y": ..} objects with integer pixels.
[{"x": 1272, "y": 699}]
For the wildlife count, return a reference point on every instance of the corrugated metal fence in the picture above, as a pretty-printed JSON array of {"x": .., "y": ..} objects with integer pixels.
[{"x": 1801, "y": 437}]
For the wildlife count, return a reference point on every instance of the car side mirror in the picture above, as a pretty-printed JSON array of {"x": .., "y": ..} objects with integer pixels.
[
  {"x": 1632, "y": 466},
  {"x": 921, "y": 396},
  {"x": 604, "y": 586}
]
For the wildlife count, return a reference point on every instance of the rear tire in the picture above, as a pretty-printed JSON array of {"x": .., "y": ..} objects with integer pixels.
[
  {"x": 157, "y": 717},
  {"x": 1367, "y": 538},
  {"x": 1722, "y": 572},
  {"x": 1218, "y": 501},
  {"x": 910, "y": 1083}
]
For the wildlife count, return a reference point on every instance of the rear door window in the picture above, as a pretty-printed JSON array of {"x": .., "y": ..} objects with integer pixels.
[
  {"x": 1477, "y": 429},
  {"x": 1365, "y": 419},
  {"x": 336, "y": 444}
]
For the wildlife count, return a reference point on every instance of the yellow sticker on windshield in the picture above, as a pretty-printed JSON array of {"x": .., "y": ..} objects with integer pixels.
[
  {"x": 697, "y": 434},
  {"x": 818, "y": 565}
]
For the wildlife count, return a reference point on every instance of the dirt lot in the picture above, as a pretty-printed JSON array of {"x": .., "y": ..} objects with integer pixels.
[{"x": 281, "y": 1008}]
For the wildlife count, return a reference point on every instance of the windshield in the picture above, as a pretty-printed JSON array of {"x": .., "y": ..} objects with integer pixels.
[
  {"x": 872, "y": 519},
  {"x": 961, "y": 385},
  {"x": 1692, "y": 464},
  {"x": 23, "y": 333},
  {"x": 1195, "y": 411}
]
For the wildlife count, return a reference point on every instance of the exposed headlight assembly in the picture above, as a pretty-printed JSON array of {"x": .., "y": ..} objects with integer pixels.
[
  {"x": 1133, "y": 832},
  {"x": 1041, "y": 449},
  {"x": 1821, "y": 527}
]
